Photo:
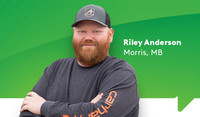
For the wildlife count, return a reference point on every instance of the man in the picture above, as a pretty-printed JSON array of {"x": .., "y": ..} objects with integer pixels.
[{"x": 93, "y": 84}]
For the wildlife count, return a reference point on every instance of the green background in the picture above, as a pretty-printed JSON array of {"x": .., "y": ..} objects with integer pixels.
[{"x": 34, "y": 33}]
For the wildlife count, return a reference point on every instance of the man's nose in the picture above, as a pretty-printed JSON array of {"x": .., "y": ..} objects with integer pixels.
[{"x": 89, "y": 36}]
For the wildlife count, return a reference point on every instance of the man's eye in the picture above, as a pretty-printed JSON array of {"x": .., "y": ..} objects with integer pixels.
[
  {"x": 96, "y": 31},
  {"x": 82, "y": 31}
]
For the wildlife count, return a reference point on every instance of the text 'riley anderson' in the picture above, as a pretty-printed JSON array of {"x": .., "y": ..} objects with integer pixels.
[{"x": 129, "y": 42}]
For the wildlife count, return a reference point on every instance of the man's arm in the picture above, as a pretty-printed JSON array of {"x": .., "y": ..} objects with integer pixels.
[
  {"x": 120, "y": 99},
  {"x": 33, "y": 102},
  {"x": 40, "y": 88}
]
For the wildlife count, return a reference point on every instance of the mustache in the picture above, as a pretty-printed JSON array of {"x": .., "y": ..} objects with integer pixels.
[{"x": 88, "y": 43}]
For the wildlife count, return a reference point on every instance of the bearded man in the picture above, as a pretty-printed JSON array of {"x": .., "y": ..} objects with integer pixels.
[{"x": 93, "y": 84}]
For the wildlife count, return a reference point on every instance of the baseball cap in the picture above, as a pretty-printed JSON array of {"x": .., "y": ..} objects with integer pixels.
[{"x": 93, "y": 13}]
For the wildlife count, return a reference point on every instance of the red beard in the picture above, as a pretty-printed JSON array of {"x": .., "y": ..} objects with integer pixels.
[{"x": 90, "y": 53}]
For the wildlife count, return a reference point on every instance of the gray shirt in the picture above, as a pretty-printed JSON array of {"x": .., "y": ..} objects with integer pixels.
[{"x": 69, "y": 88}]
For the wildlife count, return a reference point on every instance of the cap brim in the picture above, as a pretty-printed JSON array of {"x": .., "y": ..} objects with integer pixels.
[{"x": 74, "y": 25}]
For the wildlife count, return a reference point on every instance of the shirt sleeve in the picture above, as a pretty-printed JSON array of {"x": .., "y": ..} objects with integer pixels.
[
  {"x": 120, "y": 99},
  {"x": 40, "y": 88}
]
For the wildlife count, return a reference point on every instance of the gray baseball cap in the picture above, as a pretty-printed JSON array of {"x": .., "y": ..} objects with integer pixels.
[{"x": 93, "y": 13}]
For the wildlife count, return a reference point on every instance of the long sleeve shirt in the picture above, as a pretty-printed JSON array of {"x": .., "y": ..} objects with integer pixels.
[{"x": 69, "y": 88}]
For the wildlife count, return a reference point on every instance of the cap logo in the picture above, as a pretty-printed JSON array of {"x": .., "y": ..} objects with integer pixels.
[{"x": 89, "y": 12}]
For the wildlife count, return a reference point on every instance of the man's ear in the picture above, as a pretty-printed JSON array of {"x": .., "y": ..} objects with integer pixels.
[
  {"x": 111, "y": 33},
  {"x": 73, "y": 29}
]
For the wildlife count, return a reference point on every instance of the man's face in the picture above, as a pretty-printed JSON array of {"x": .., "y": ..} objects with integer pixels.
[{"x": 91, "y": 42}]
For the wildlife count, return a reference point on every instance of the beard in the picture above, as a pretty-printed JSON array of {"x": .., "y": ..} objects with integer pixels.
[{"x": 90, "y": 53}]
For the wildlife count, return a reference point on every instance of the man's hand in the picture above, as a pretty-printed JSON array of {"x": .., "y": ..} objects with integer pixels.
[
  {"x": 97, "y": 98},
  {"x": 33, "y": 103}
]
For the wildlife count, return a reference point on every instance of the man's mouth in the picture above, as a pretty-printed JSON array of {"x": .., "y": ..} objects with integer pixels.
[{"x": 89, "y": 44}]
